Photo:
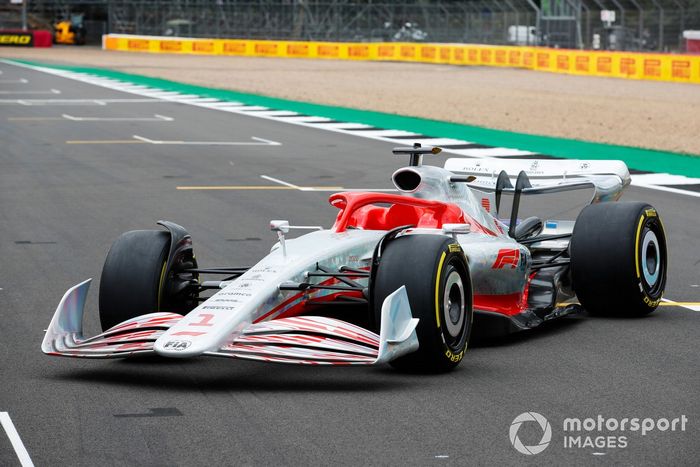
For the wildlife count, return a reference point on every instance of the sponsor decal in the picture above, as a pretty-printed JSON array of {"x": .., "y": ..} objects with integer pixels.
[
  {"x": 444, "y": 53},
  {"x": 384, "y": 51},
  {"x": 177, "y": 345},
  {"x": 652, "y": 67},
  {"x": 16, "y": 38},
  {"x": 203, "y": 46},
  {"x": 507, "y": 257},
  {"x": 408, "y": 51},
  {"x": 138, "y": 44},
  {"x": 604, "y": 65},
  {"x": 265, "y": 270},
  {"x": 428, "y": 52},
  {"x": 562, "y": 62},
  {"x": 627, "y": 66},
  {"x": 514, "y": 57},
  {"x": 454, "y": 357},
  {"x": 500, "y": 57},
  {"x": 583, "y": 64},
  {"x": 171, "y": 46},
  {"x": 266, "y": 49},
  {"x": 236, "y": 293},
  {"x": 238, "y": 48},
  {"x": 454, "y": 248},
  {"x": 680, "y": 69},
  {"x": 328, "y": 51},
  {"x": 358, "y": 51},
  {"x": 298, "y": 50}
]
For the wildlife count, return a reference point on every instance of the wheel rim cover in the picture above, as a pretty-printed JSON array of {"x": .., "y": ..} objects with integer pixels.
[
  {"x": 651, "y": 258},
  {"x": 453, "y": 304}
]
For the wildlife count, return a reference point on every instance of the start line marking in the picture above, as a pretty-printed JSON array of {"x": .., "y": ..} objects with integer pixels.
[{"x": 16, "y": 441}]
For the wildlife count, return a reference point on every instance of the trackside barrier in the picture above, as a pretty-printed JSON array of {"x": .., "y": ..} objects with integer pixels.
[
  {"x": 21, "y": 38},
  {"x": 629, "y": 65}
]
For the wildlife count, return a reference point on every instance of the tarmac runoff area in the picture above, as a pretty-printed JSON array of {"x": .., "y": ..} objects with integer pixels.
[{"x": 74, "y": 176}]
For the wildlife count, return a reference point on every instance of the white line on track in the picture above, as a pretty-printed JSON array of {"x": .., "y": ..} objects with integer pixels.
[
  {"x": 79, "y": 101},
  {"x": 322, "y": 189},
  {"x": 665, "y": 188},
  {"x": 52, "y": 91},
  {"x": 9, "y": 81},
  {"x": 258, "y": 142},
  {"x": 282, "y": 182},
  {"x": 155, "y": 118},
  {"x": 16, "y": 441}
]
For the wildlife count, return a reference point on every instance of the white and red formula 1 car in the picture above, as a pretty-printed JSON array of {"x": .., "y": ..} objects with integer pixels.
[{"x": 398, "y": 278}]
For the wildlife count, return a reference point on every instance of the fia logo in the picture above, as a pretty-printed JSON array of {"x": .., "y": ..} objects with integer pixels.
[{"x": 177, "y": 345}]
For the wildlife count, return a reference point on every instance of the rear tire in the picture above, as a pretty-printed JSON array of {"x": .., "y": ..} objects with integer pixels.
[
  {"x": 619, "y": 258},
  {"x": 436, "y": 275},
  {"x": 134, "y": 280}
]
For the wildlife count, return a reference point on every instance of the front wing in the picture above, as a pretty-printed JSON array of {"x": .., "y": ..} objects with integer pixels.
[{"x": 311, "y": 340}]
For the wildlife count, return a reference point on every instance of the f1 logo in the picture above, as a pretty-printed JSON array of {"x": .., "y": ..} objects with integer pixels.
[{"x": 507, "y": 257}]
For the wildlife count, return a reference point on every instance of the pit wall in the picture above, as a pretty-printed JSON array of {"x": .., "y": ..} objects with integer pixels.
[{"x": 628, "y": 65}]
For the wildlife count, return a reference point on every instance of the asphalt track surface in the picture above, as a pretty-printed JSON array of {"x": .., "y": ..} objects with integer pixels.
[{"x": 62, "y": 204}]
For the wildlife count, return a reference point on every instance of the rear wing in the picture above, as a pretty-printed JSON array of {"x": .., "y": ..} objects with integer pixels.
[{"x": 607, "y": 177}]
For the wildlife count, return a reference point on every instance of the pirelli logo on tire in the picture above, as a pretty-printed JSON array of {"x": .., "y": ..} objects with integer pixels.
[
  {"x": 25, "y": 39},
  {"x": 454, "y": 247}
]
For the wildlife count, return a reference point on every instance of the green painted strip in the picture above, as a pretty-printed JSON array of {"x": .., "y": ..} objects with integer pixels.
[{"x": 635, "y": 158}]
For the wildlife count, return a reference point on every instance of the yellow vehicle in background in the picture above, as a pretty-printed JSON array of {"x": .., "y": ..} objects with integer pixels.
[{"x": 70, "y": 31}]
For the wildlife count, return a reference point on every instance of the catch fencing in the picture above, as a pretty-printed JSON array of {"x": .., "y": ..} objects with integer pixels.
[{"x": 641, "y": 25}]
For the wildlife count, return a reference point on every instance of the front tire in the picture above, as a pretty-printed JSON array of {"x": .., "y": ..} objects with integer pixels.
[
  {"x": 436, "y": 275},
  {"x": 619, "y": 258},
  {"x": 135, "y": 282}
]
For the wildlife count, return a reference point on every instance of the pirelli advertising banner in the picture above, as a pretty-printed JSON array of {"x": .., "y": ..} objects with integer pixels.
[
  {"x": 629, "y": 65},
  {"x": 16, "y": 38}
]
